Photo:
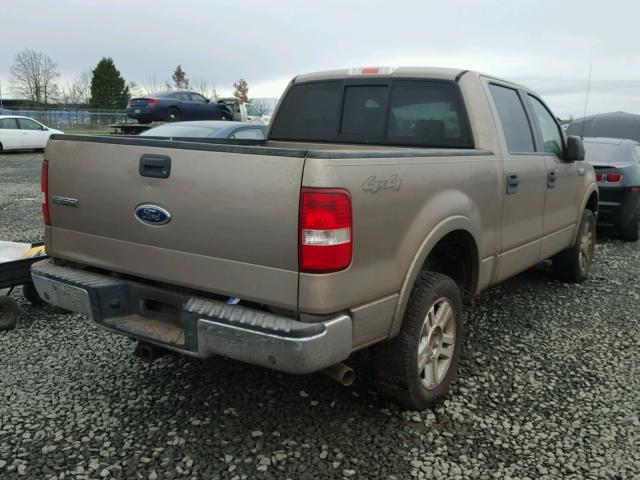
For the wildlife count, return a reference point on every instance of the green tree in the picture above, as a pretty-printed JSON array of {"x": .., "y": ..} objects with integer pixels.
[{"x": 108, "y": 88}]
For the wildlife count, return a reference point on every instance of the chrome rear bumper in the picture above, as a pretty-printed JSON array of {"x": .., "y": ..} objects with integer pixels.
[{"x": 196, "y": 326}]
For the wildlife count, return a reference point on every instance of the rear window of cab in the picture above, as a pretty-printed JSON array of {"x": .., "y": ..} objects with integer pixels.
[{"x": 425, "y": 113}]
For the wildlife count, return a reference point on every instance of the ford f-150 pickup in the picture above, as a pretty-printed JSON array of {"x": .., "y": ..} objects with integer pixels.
[{"x": 382, "y": 201}]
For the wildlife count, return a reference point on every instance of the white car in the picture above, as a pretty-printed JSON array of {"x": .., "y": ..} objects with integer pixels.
[{"x": 23, "y": 133}]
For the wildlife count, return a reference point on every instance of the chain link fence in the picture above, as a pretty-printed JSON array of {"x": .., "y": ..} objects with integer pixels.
[{"x": 71, "y": 119}]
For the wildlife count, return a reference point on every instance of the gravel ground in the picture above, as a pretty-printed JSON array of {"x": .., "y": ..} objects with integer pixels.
[{"x": 549, "y": 388}]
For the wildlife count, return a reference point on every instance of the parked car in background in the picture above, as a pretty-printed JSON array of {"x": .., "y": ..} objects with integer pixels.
[
  {"x": 617, "y": 165},
  {"x": 23, "y": 133},
  {"x": 245, "y": 112},
  {"x": 176, "y": 106},
  {"x": 209, "y": 129}
]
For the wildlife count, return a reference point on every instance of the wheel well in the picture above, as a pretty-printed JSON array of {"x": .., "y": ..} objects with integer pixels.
[
  {"x": 592, "y": 203},
  {"x": 456, "y": 256}
]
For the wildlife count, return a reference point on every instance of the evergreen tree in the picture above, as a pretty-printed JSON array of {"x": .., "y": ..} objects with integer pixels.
[{"x": 108, "y": 88}]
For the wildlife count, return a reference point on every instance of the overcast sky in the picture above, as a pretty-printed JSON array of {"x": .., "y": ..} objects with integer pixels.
[{"x": 546, "y": 44}]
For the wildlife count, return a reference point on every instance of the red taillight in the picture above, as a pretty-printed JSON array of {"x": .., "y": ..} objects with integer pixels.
[
  {"x": 44, "y": 189},
  {"x": 613, "y": 177},
  {"x": 370, "y": 70},
  {"x": 599, "y": 176},
  {"x": 326, "y": 235},
  {"x": 152, "y": 102}
]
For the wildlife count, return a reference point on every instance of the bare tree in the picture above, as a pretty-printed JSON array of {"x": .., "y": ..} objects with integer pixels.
[
  {"x": 152, "y": 85},
  {"x": 34, "y": 75},
  {"x": 84, "y": 83},
  {"x": 78, "y": 91},
  {"x": 265, "y": 105},
  {"x": 71, "y": 93},
  {"x": 241, "y": 91},
  {"x": 206, "y": 89},
  {"x": 135, "y": 90}
]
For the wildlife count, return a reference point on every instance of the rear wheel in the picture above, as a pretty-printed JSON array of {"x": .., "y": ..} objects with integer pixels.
[
  {"x": 8, "y": 313},
  {"x": 629, "y": 232},
  {"x": 416, "y": 368},
  {"x": 1, "y": 148},
  {"x": 173, "y": 115},
  {"x": 574, "y": 263}
]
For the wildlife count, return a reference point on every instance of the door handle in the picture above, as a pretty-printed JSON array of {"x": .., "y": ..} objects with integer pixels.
[
  {"x": 512, "y": 183},
  {"x": 551, "y": 179},
  {"x": 155, "y": 166}
]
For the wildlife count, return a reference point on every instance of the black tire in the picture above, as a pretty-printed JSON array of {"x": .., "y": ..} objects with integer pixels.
[
  {"x": 629, "y": 232},
  {"x": 397, "y": 375},
  {"x": 8, "y": 313},
  {"x": 30, "y": 293},
  {"x": 573, "y": 264},
  {"x": 1, "y": 148},
  {"x": 173, "y": 115}
]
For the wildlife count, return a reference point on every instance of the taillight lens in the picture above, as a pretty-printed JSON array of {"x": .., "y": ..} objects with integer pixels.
[
  {"x": 152, "y": 102},
  {"x": 326, "y": 231},
  {"x": 599, "y": 176},
  {"x": 614, "y": 177},
  {"x": 44, "y": 189}
]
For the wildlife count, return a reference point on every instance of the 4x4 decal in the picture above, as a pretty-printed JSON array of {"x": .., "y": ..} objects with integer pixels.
[{"x": 374, "y": 184}]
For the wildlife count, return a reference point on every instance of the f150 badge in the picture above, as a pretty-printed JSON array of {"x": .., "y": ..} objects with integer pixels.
[
  {"x": 375, "y": 184},
  {"x": 152, "y": 214},
  {"x": 66, "y": 201}
]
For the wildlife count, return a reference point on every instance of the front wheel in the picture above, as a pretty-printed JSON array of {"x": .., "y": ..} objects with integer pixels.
[
  {"x": 416, "y": 368},
  {"x": 573, "y": 264}
]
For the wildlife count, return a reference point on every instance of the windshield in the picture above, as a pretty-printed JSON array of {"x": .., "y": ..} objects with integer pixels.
[
  {"x": 195, "y": 131},
  {"x": 427, "y": 113}
]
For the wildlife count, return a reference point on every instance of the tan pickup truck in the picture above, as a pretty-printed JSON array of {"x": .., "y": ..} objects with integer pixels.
[{"x": 382, "y": 201}]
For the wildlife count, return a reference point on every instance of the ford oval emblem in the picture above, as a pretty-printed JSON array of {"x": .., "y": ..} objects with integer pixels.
[{"x": 152, "y": 214}]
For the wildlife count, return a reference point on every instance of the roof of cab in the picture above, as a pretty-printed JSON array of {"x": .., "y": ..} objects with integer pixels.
[
  {"x": 452, "y": 74},
  {"x": 427, "y": 72}
]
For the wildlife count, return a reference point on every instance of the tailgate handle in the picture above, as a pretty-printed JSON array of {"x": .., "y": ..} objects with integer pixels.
[{"x": 155, "y": 166}]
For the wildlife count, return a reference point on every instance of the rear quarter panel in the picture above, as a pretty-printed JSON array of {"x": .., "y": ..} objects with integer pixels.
[{"x": 429, "y": 197}]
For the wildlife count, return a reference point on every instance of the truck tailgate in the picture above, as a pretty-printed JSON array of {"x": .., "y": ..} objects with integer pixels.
[{"x": 233, "y": 214}]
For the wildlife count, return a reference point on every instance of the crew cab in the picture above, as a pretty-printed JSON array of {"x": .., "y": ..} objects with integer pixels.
[{"x": 382, "y": 201}]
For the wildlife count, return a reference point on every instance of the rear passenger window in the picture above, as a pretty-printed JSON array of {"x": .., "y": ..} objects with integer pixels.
[
  {"x": 8, "y": 124},
  {"x": 515, "y": 124},
  {"x": 551, "y": 136},
  {"x": 426, "y": 113},
  {"x": 364, "y": 109}
]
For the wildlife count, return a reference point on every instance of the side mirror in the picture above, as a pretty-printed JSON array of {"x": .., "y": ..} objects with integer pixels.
[
  {"x": 575, "y": 149},
  {"x": 207, "y": 100}
]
